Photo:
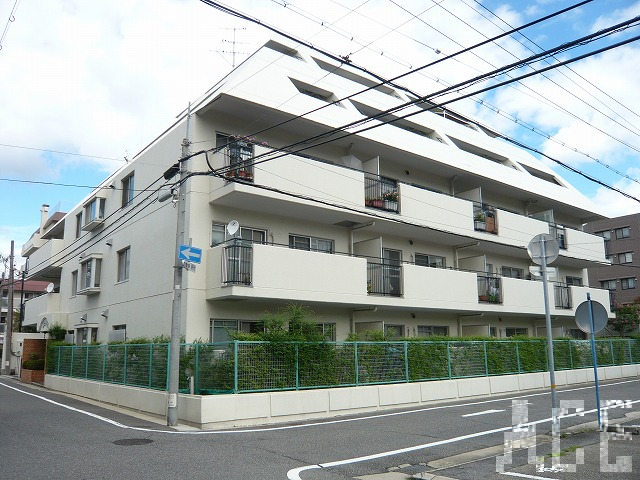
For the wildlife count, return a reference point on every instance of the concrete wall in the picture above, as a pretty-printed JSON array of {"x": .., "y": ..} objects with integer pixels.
[{"x": 216, "y": 411}]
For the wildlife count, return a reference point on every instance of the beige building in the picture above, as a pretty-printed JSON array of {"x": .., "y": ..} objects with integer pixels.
[{"x": 416, "y": 227}]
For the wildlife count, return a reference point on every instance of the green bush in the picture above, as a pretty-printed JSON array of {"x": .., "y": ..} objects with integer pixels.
[
  {"x": 57, "y": 332},
  {"x": 35, "y": 362}
]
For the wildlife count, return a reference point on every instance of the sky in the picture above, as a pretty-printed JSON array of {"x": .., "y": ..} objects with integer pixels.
[{"x": 86, "y": 84}]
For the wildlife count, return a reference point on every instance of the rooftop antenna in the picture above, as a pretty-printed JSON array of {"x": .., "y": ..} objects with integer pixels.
[{"x": 233, "y": 43}]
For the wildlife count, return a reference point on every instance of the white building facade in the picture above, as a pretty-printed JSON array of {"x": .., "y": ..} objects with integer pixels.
[{"x": 417, "y": 227}]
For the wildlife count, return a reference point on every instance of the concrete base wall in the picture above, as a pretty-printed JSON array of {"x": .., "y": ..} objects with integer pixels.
[{"x": 275, "y": 407}]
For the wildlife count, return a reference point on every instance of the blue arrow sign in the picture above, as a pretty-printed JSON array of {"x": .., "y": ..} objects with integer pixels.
[{"x": 190, "y": 254}]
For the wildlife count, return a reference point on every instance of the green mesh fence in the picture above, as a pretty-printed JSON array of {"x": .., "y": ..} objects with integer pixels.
[{"x": 236, "y": 367}]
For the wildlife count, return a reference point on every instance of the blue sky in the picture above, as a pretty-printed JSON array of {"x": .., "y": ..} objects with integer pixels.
[{"x": 104, "y": 78}]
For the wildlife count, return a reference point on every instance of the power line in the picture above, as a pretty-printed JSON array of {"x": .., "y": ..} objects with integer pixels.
[
  {"x": 93, "y": 187},
  {"x": 60, "y": 152},
  {"x": 10, "y": 20}
]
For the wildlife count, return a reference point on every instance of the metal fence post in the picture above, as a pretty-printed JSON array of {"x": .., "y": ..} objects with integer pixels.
[
  {"x": 355, "y": 357},
  {"x": 86, "y": 363},
  {"x": 486, "y": 360},
  {"x": 60, "y": 354},
  {"x": 570, "y": 355},
  {"x": 73, "y": 348},
  {"x": 235, "y": 366},
  {"x": 518, "y": 356},
  {"x": 196, "y": 371},
  {"x": 166, "y": 380},
  {"x": 613, "y": 357},
  {"x": 630, "y": 351},
  {"x": 297, "y": 367},
  {"x": 104, "y": 361},
  {"x": 150, "y": 363},
  {"x": 124, "y": 371},
  {"x": 406, "y": 359},
  {"x": 449, "y": 358}
]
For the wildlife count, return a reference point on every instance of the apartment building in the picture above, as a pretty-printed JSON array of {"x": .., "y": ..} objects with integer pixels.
[
  {"x": 622, "y": 247},
  {"x": 416, "y": 227}
]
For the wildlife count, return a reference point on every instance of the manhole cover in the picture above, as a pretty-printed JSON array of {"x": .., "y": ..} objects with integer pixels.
[{"x": 133, "y": 441}]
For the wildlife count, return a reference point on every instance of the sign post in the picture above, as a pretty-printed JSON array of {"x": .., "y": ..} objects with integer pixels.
[
  {"x": 544, "y": 249},
  {"x": 591, "y": 317}
]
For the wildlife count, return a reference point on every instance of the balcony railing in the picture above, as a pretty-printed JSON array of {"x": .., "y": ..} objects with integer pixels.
[
  {"x": 238, "y": 157},
  {"x": 562, "y": 294},
  {"x": 484, "y": 218},
  {"x": 381, "y": 193},
  {"x": 384, "y": 279},
  {"x": 489, "y": 289},
  {"x": 237, "y": 262},
  {"x": 559, "y": 233}
]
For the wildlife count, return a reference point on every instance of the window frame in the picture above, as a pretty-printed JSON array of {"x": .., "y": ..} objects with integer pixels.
[
  {"x": 128, "y": 186},
  {"x": 432, "y": 333},
  {"x": 311, "y": 248},
  {"x": 79, "y": 224},
  {"x": 626, "y": 256},
  {"x": 74, "y": 283},
  {"x": 623, "y": 232},
  {"x": 606, "y": 234},
  {"x": 628, "y": 283},
  {"x": 510, "y": 271},
  {"x": 227, "y": 237},
  {"x": 123, "y": 271},
  {"x": 571, "y": 280},
  {"x": 89, "y": 274},
  {"x": 431, "y": 260},
  {"x": 518, "y": 331},
  {"x": 94, "y": 213},
  {"x": 603, "y": 284}
]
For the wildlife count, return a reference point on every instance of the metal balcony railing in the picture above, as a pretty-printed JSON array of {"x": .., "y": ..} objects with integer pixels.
[
  {"x": 381, "y": 193},
  {"x": 238, "y": 157},
  {"x": 484, "y": 218},
  {"x": 237, "y": 263},
  {"x": 489, "y": 289},
  {"x": 559, "y": 232},
  {"x": 562, "y": 294},
  {"x": 384, "y": 279}
]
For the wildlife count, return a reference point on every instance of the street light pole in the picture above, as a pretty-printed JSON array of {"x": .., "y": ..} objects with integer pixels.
[{"x": 176, "y": 308}]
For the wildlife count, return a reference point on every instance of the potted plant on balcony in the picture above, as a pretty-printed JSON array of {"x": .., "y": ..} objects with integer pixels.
[
  {"x": 390, "y": 200},
  {"x": 479, "y": 221}
]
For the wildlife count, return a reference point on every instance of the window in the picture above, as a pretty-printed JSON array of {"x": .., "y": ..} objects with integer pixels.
[
  {"x": 127, "y": 190},
  {"x": 311, "y": 243},
  {"x": 123, "y": 264},
  {"x": 78, "y": 225},
  {"x": 612, "y": 258},
  {"x": 628, "y": 283},
  {"x": 515, "y": 331},
  {"x": 328, "y": 330},
  {"x": 393, "y": 332},
  {"x": 430, "y": 330},
  {"x": 606, "y": 234},
  {"x": 219, "y": 234},
  {"x": 623, "y": 232},
  {"x": 74, "y": 283},
  {"x": 93, "y": 213},
  {"x": 512, "y": 272},
  {"x": 626, "y": 257},
  {"x": 90, "y": 275},
  {"x": 430, "y": 261},
  {"x": 221, "y": 330},
  {"x": 118, "y": 333},
  {"x": 250, "y": 326},
  {"x": 608, "y": 284},
  {"x": 577, "y": 281}
]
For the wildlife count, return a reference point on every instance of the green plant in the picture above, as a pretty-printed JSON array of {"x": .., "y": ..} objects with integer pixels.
[
  {"x": 35, "y": 362},
  {"x": 626, "y": 320},
  {"x": 391, "y": 196},
  {"x": 479, "y": 217},
  {"x": 57, "y": 332}
]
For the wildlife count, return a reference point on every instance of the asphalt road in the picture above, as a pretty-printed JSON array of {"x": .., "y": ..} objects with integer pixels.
[{"x": 73, "y": 439}]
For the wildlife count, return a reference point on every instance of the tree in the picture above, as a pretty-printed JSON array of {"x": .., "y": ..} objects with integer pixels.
[{"x": 626, "y": 320}]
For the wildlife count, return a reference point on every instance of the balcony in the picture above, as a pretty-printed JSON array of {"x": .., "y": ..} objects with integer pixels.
[
  {"x": 562, "y": 296},
  {"x": 237, "y": 157},
  {"x": 237, "y": 262},
  {"x": 32, "y": 245},
  {"x": 46, "y": 256},
  {"x": 381, "y": 193},
  {"x": 485, "y": 218},
  {"x": 559, "y": 232},
  {"x": 384, "y": 279},
  {"x": 45, "y": 306},
  {"x": 489, "y": 290}
]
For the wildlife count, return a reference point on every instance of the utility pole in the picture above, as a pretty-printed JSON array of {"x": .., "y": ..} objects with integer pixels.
[
  {"x": 176, "y": 310},
  {"x": 24, "y": 271},
  {"x": 6, "y": 350}
]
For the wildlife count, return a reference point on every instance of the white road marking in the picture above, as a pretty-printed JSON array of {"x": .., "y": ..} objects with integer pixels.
[
  {"x": 305, "y": 425},
  {"x": 484, "y": 412},
  {"x": 294, "y": 474},
  {"x": 524, "y": 475}
]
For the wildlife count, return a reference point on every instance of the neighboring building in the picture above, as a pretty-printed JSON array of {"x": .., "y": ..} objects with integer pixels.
[
  {"x": 418, "y": 227},
  {"x": 622, "y": 247}
]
